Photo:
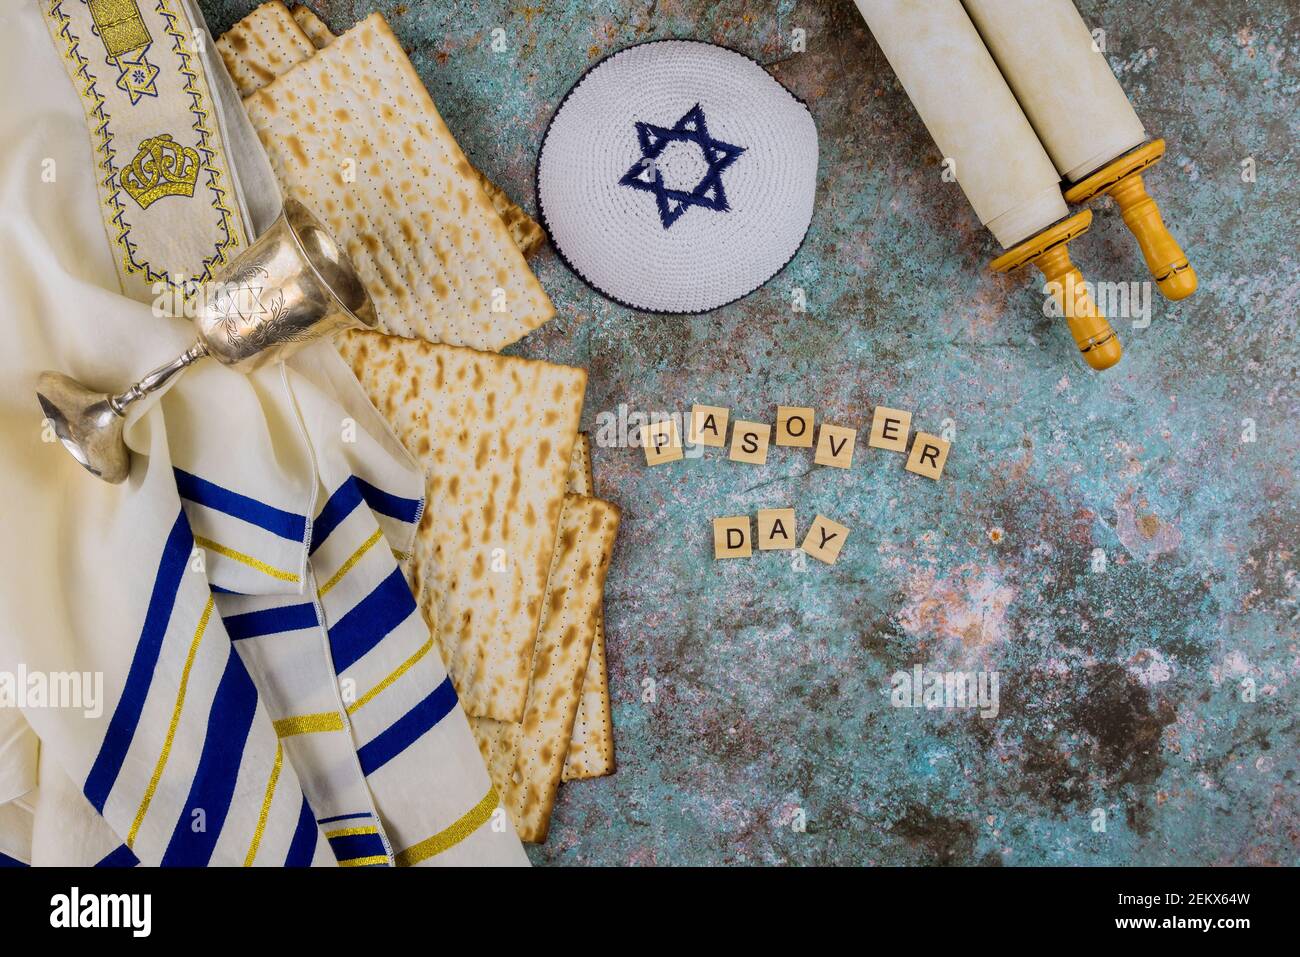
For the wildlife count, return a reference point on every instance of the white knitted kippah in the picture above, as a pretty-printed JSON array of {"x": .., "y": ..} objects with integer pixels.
[{"x": 678, "y": 176}]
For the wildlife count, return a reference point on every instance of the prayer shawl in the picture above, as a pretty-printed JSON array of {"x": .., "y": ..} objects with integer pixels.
[{"x": 218, "y": 661}]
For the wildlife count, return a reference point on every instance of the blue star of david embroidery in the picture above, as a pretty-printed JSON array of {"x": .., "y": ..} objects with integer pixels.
[
  {"x": 645, "y": 175},
  {"x": 136, "y": 75}
]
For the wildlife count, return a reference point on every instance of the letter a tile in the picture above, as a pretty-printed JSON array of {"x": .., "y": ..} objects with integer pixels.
[
  {"x": 708, "y": 426},
  {"x": 775, "y": 529}
]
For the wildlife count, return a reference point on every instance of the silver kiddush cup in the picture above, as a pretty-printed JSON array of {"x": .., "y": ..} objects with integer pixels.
[{"x": 293, "y": 285}]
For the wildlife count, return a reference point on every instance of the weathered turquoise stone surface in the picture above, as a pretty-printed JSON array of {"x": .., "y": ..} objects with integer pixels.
[{"x": 1120, "y": 548}]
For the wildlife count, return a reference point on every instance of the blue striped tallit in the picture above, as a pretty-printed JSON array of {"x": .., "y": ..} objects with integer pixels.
[
  {"x": 394, "y": 740},
  {"x": 249, "y": 546},
  {"x": 120, "y": 856},
  {"x": 187, "y": 734},
  {"x": 130, "y": 708},
  {"x": 195, "y": 758},
  {"x": 361, "y": 699},
  {"x": 230, "y": 718}
]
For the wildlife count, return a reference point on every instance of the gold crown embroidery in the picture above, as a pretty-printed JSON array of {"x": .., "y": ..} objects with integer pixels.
[{"x": 161, "y": 168}]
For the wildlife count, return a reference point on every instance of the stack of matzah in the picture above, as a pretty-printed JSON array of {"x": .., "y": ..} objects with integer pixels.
[
  {"x": 526, "y": 758},
  {"x": 272, "y": 39},
  {"x": 317, "y": 32},
  {"x": 512, "y": 550},
  {"x": 495, "y": 434},
  {"x": 509, "y": 564},
  {"x": 263, "y": 45},
  {"x": 352, "y": 133}
]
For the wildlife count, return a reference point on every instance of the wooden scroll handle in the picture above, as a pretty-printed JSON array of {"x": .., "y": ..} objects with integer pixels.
[
  {"x": 1165, "y": 258},
  {"x": 1050, "y": 252},
  {"x": 1092, "y": 333},
  {"x": 1122, "y": 180}
]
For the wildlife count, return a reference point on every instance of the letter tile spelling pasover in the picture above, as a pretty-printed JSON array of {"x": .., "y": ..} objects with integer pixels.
[
  {"x": 794, "y": 426},
  {"x": 929, "y": 454},
  {"x": 889, "y": 429},
  {"x": 835, "y": 446},
  {"x": 708, "y": 426},
  {"x": 749, "y": 442},
  {"x": 661, "y": 442}
]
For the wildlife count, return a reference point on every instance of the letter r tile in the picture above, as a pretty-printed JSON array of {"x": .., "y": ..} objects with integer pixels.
[{"x": 929, "y": 454}]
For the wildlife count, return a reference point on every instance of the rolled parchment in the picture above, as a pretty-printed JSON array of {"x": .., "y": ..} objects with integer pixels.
[
  {"x": 970, "y": 112},
  {"x": 1061, "y": 79},
  {"x": 1083, "y": 118}
]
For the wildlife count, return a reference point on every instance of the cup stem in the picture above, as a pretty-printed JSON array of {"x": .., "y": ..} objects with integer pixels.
[{"x": 155, "y": 380}]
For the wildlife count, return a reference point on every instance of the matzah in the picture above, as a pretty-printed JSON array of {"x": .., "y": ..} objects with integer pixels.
[
  {"x": 353, "y": 135},
  {"x": 524, "y": 230},
  {"x": 526, "y": 758},
  {"x": 494, "y": 435},
  {"x": 591, "y": 746},
  {"x": 317, "y": 32},
  {"x": 262, "y": 46},
  {"x": 527, "y": 234},
  {"x": 579, "y": 477}
]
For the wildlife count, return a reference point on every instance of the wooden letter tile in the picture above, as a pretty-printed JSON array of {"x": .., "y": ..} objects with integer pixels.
[
  {"x": 889, "y": 429},
  {"x": 775, "y": 529},
  {"x": 794, "y": 426},
  {"x": 835, "y": 446},
  {"x": 825, "y": 539},
  {"x": 708, "y": 426},
  {"x": 749, "y": 442},
  {"x": 929, "y": 453},
  {"x": 661, "y": 442},
  {"x": 731, "y": 537}
]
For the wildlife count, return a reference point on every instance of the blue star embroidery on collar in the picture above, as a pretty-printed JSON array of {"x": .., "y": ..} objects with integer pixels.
[{"x": 645, "y": 175}]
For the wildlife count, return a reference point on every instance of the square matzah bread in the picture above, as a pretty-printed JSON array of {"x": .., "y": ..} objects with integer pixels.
[
  {"x": 263, "y": 45},
  {"x": 526, "y": 759},
  {"x": 494, "y": 435},
  {"x": 353, "y": 134},
  {"x": 591, "y": 746},
  {"x": 524, "y": 230}
]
